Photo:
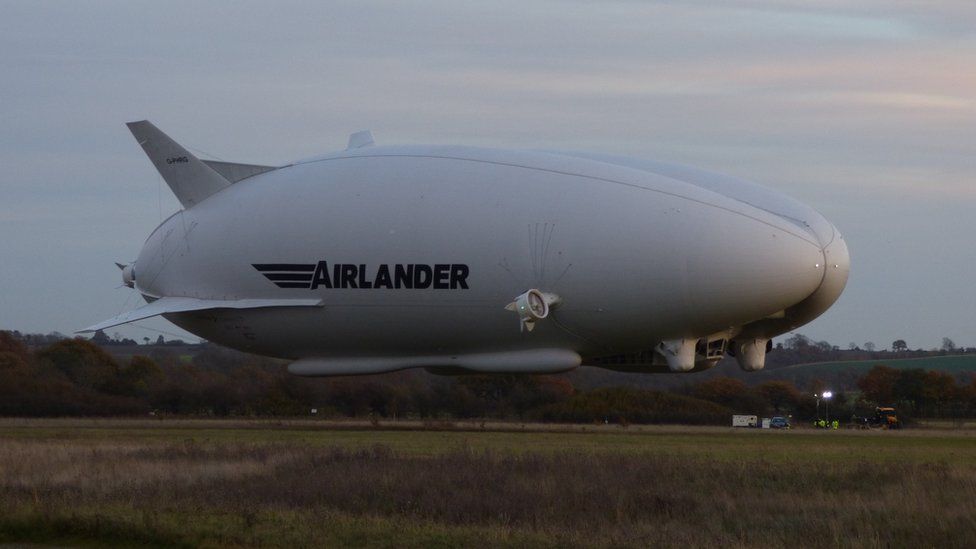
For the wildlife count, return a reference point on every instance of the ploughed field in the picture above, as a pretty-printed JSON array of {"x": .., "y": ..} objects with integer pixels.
[{"x": 314, "y": 483}]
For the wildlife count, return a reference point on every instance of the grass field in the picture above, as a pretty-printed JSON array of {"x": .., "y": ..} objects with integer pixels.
[
  {"x": 239, "y": 483},
  {"x": 950, "y": 364}
]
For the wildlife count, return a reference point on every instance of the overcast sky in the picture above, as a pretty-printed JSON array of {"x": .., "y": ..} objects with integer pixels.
[{"x": 867, "y": 114}]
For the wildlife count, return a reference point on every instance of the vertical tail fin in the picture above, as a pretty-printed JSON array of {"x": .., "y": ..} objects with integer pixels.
[{"x": 187, "y": 176}]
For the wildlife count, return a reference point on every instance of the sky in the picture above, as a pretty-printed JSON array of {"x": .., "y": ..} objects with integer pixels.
[{"x": 866, "y": 112}]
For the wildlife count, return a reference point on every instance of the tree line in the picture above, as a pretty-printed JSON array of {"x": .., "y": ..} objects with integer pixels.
[{"x": 75, "y": 377}]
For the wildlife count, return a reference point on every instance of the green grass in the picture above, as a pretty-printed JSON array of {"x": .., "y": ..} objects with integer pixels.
[
  {"x": 719, "y": 443},
  {"x": 951, "y": 364},
  {"x": 240, "y": 483}
]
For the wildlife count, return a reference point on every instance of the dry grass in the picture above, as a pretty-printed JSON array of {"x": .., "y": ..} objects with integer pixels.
[{"x": 248, "y": 491}]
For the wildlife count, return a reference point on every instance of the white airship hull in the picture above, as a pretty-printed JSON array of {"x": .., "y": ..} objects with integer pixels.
[{"x": 410, "y": 255}]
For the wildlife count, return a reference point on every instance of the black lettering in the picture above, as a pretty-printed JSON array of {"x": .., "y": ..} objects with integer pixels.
[
  {"x": 441, "y": 274},
  {"x": 383, "y": 277},
  {"x": 321, "y": 276},
  {"x": 459, "y": 275},
  {"x": 348, "y": 276},
  {"x": 422, "y": 275},
  {"x": 403, "y": 276},
  {"x": 363, "y": 283}
]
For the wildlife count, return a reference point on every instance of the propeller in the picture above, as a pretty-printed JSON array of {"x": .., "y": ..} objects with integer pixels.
[
  {"x": 128, "y": 274},
  {"x": 531, "y": 307}
]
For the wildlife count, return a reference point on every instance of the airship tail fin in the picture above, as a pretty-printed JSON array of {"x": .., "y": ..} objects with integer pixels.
[
  {"x": 171, "y": 305},
  {"x": 235, "y": 172},
  {"x": 189, "y": 178}
]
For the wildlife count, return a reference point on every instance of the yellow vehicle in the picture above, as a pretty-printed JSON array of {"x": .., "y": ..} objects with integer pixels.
[{"x": 886, "y": 418}]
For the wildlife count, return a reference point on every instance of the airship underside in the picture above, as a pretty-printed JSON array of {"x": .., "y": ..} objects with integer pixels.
[{"x": 461, "y": 259}]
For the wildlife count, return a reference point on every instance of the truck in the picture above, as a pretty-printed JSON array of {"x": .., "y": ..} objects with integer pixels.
[
  {"x": 742, "y": 420},
  {"x": 885, "y": 417}
]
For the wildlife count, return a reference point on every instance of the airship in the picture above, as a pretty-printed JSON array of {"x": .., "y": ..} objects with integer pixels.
[{"x": 463, "y": 259}]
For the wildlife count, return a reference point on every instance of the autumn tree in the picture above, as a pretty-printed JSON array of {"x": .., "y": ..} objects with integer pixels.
[
  {"x": 721, "y": 390},
  {"x": 12, "y": 363},
  {"x": 967, "y": 394},
  {"x": 81, "y": 361},
  {"x": 910, "y": 388},
  {"x": 939, "y": 390},
  {"x": 878, "y": 385},
  {"x": 14, "y": 356},
  {"x": 781, "y": 395},
  {"x": 137, "y": 379},
  {"x": 815, "y": 386}
]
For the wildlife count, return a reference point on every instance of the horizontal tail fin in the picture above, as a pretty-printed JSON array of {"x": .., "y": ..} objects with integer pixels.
[
  {"x": 167, "y": 305},
  {"x": 235, "y": 172},
  {"x": 189, "y": 178}
]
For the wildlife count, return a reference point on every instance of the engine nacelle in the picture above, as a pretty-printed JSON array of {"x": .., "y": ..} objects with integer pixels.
[
  {"x": 751, "y": 353},
  {"x": 128, "y": 275},
  {"x": 678, "y": 353}
]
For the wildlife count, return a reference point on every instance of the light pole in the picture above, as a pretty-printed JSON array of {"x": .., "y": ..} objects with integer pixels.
[
  {"x": 817, "y": 395},
  {"x": 826, "y": 397}
]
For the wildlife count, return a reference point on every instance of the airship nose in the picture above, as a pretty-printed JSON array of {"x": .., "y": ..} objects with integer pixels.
[
  {"x": 806, "y": 274},
  {"x": 837, "y": 260},
  {"x": 833, "y": 266}
]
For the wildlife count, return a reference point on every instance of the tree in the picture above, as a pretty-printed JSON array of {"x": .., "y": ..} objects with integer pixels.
[
  {"x": 84, "y": 363},
  {"x": 899, "y": 345},
  {"x": 815, "y": 386},
  {"x": 626, "y": 404},
  {"x": 869, "y": 346},
  {"x": 852, "y": 346},
  {"x": 11, "y": 362},
  {"x": 797, "y": 342},
  {"x": 9, "y": 342},
  {"x": 940, "y": 389},
  {"x": 910, "y": 387},
  {"x": 721, "y": 390},
  {"x": 948, "y": 345},
  {"x": 878, "y": 385},
  {"x": 781, "y": 395},
  {"x": 968, "y": 394},
  {"x": 137, "y": 379}
]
